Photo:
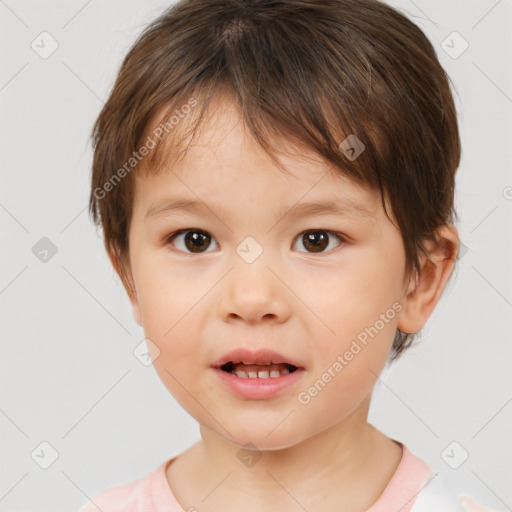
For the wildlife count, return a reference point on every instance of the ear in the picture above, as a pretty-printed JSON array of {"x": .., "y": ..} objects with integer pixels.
[
  {"x": 424, "y": 289},
  {"x": 122, "y": 268}
]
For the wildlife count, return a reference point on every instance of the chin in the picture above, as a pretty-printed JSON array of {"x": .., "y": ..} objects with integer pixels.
[{"x": 261, "y": 439}]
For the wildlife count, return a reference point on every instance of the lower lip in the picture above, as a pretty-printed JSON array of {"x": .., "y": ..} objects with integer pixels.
[{"x": 258, "y": 389}]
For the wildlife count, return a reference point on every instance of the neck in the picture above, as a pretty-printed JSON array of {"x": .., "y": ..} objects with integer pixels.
[{"x": 345, "y": 467}]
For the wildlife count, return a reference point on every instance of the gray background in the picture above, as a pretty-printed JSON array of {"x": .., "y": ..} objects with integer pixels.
[{"x": 68, "y": 374}]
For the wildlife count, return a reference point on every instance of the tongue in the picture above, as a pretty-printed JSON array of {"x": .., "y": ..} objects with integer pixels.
[{"x": 259, "y": 367}]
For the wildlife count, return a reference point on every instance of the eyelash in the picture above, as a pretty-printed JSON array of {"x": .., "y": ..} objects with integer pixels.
[{"x": 169, "y": 239}]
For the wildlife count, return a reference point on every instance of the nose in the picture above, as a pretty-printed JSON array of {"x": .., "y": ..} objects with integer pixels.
[{"x": 254, "y": 293}]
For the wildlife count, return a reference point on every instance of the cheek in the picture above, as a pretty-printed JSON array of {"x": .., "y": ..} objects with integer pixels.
[
  {"x": 345, "y": 374},
  {"x": 164, "y": 289},
  {"x": 352, "y": 300},
  {"x": 358, "y": 312},
  {"x": 168, "y": 300}
]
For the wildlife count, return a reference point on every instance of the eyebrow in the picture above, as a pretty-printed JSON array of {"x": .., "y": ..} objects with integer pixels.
[{"x": 348, "y": 208}]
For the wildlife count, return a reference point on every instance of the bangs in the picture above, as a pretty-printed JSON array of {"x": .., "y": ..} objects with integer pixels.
[{"x": 179, "y": 123}]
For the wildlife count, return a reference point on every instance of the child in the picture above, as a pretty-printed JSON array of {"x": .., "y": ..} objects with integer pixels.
[{"x": 275, "y": 182}]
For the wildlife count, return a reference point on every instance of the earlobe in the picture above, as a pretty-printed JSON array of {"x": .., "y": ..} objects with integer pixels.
[{"x": 425, "y": 289}]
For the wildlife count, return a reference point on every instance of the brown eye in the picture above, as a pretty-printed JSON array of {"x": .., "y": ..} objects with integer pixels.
[
  {"x": 316, "y": 241},
  {"x": 191, "y": 240}
]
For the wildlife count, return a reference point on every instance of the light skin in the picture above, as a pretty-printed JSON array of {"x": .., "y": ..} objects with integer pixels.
[{"x": 196, "y": 306}]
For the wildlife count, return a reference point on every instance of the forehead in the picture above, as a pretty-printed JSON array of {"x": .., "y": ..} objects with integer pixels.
[
  {"x": 216, "y": 188},
  {"x": 224, "y": 153},
  {"x": 221, "y": 125}
]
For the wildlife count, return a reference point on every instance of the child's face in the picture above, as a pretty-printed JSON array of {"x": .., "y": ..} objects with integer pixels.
[{"x": 305, "y": 303}]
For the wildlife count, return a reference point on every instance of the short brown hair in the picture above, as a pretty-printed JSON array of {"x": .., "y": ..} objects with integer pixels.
[{"x": 307, "y": 71}]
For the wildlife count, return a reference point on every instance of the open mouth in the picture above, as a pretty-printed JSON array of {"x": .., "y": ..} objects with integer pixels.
[{"x": 258, "y": 371}]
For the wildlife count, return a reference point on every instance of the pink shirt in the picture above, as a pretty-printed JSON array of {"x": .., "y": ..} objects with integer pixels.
[{"x": 152, "y": 493}]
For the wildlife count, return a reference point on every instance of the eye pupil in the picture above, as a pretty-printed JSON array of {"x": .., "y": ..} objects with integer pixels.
[
  {"x": 198, "y": 241},
  {"x": 317, "y": 239},
  {"x": 195, "y": 240}
]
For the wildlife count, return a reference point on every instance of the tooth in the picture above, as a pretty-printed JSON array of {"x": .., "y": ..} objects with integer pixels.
[{"x": 262, "y": 374}]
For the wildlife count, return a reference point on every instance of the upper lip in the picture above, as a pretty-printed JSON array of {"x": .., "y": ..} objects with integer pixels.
[{"x": 261, "y": 356}]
